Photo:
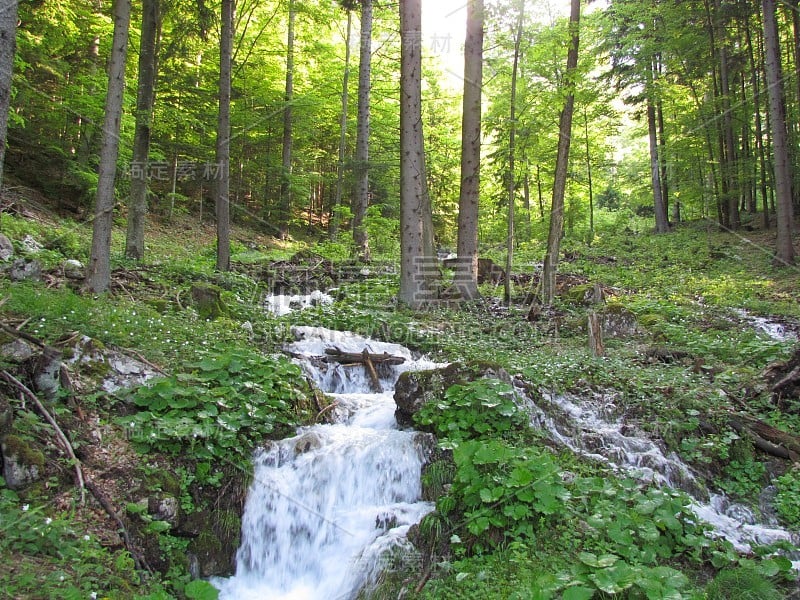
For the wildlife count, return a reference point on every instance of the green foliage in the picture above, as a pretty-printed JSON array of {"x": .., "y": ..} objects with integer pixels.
[
  {"x": 484, "y": 408},
  {"x": 786, "y": 503},
  {"x": 743, "y": 583},
  {"x": 219, "y": 407},
  {"x": 744, "y": 479}
]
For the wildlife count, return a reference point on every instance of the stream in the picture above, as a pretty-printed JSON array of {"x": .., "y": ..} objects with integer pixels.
[{"x": 328, "y": 507}]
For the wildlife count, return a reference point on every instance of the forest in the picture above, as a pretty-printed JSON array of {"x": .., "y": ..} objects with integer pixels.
[{"x": 520, "y": 276}]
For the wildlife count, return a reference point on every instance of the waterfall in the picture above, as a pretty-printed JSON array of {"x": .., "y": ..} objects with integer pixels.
[
  {"x": 591, "y": 425},
  {"x": 329, "y": 507}
]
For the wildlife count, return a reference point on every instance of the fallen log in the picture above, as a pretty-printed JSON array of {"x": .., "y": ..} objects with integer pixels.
[
  {"x": 361, "y": 358},
  {"x": 767, "y": 438}
]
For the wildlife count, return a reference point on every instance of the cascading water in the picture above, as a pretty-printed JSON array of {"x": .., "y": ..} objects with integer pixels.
[
  {"x": 327, "y": 505},
  {"x": 590, "y": 426}
]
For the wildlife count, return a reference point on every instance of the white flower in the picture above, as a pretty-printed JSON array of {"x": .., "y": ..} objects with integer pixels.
[
  {"x": 48, "y": 520},
  {"x": 93, "y": 595},
  {"x": 25, "y": 507},
  {"x": 86, "y": 538}
]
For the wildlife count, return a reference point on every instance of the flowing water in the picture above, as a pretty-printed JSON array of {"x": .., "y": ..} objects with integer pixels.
[{"x": 328, "y": 506}]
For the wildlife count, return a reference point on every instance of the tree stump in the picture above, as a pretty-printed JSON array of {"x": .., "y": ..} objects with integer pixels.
[{"x": 595, "y": 335}]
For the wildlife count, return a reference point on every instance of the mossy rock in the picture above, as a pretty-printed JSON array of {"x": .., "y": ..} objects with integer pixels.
[
  {"x": 6, "y": 417},
  {"x": 159, "y": 305},
  {"x": 163, "y": 481},
  {"x": 415, "y": 389},
  {"x": 23, "y": 462},
  {"x": 211, "y": 553},
  {"x": 650, "y": 320},
  {"x": 208, "y": 302},
  {"x": 578, "y": 294}
]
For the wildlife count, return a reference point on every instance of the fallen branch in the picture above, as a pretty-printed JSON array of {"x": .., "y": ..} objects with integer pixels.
[
  {"x": 137, "y": 354},
  {"x": 360, "y": 358},
  {"x": 62, "y": 439},
  {"x": 141, "y": 563},
  {"x": 767, "y": 438},
  {"x": 792, "y": 378},
  {"x": 21, "y": 334}
]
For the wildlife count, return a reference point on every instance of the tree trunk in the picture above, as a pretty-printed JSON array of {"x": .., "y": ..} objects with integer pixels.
[
  {"x": 361, "y": 191},
  {"x": 223, "y": 156},
  {"x": 562, "y": 160},
  {"x": 466, "y": 275},
  {"x": 99, "y": 270},
  {"x": 414, "y": 291},
  {"x": 512, "y": 134},
  {"x": 333, "y": 229},
  {"x": 589, "y": 175},
  {"x": 777, "y": 115},
  {"x": 285, "y": 201},
  {"x": 137, "y": 209},
  {"x": 755, "y": 82},
  {"x": 662, "y": 224},
  {"x": 8, "y": 45}
]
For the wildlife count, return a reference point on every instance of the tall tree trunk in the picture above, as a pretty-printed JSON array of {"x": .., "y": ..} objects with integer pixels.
[
  {"x": 8, "y": 45},
  {"x": 512, "y": 135},
  {"x": 285, "y": 202},
  {"x": 755, "y": 83},
  {"x": 731, "y": 199},
  {"x": 589, "y": 175},
  {"x": 466, "y": 274},
  {"x": 361, "y": 190},
  {"x": 662, "y": 223},
  {"x": 333, "y": 228},
  {"x": 777, "y": 115},
  {"x": 223, "y": 153},
  {"x": 145, "y": 96},
  {"x": 562, "y": 160},
  {"x": 662, "y": 150},
  {"x": 414, "y": 291},
  {"x": 99, "y": 270}
]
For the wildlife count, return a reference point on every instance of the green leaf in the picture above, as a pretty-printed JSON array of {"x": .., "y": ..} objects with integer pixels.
[
  {"x": 577, "y": 592},
  {"x": 200, "y": 590}
]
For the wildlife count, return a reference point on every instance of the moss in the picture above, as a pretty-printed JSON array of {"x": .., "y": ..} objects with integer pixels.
[
  {"x": 650, "y": 320},
  {"x": 26, "y": 454},
  {"x": 159, "y": 305},
  {"x": 577, "y": 294},
  {"x": 208, "y": 301},
  {"x": 164, "y": 481}
]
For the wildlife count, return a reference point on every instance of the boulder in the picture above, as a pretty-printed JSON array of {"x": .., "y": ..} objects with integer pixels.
[
  {"x": 25, "y": 269},
  {"x": 17, "y": 351},
  {"x": 30, "y": 245},
  {"x": 207, "y": 300}
]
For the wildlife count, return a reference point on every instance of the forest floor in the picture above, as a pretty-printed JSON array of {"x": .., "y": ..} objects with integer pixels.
[{"x": 702, "y": 327}]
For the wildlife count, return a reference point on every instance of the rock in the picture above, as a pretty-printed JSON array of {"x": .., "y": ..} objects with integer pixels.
[
  {"x": 306, "y": 442},
  {"x": 25, "y": 269},
  {"x": 211, "y": 552},
  {"x": 17, "y": 351},
  {"x": 22, "y": 463},
  {"x": 73, "y": 269},
  {"x": 619, "y": 322},
  {"x": 47, "y": 372},
  {"x": 165, "y": 508},
  {"x": 208, "y": 301},
  {"x": 30, "y": 245},
  {"x": 6, "y": 248},
  {"x": 414, "y": 389}
]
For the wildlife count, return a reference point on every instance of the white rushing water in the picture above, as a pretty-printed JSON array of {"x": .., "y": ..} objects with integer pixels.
[
  {"x": 329, "y": 505},
  {"x": 283, "y": 304},
  {"x": 592, "y": 426}
]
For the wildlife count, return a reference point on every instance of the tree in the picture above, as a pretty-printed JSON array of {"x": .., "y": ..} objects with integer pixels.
[
  {"x": 285, "y": 202},
  {"x": 137, "y": 209},
  {"x": 512, "y": 134},
  {"x": 98, "y": 274},
  {"x": 562, "y": 160},
  {"x": 333, "y": 229},
  {"x": 361, "y": 191},
  {"x": 467, "y": 265},
  {"x": 777, "y": 116},
  {"x": 414, "y": 291},
  {"x": 223, "y": 148},
  {"x": 8, "y": 43}
]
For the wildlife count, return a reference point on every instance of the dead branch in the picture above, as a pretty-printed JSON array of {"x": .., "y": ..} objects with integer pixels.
[
  {"x": 60, "y": 437},
  {"x": 138, "y": 355}
]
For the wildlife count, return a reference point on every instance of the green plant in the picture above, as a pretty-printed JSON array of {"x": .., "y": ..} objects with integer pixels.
[
  {"x": 742, "y": 583},
  {"x": 484, "y": 408},
  {"x": 219, "y": 408},
  {"x": 786, "y": 503}
]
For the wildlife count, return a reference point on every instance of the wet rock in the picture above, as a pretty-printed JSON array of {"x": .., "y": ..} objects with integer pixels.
[
  {"x": 213, "y": 548},
  {"x": 73, "y": 269},
  {"x": 23, "y": 464},
  {"x": 25, "y": 269},
  {"x": 306, "y": 442},
  {"x": 6, "y": 248}
]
